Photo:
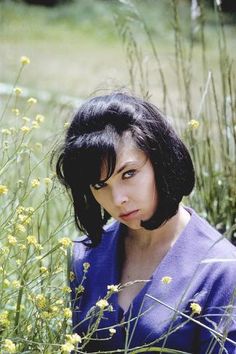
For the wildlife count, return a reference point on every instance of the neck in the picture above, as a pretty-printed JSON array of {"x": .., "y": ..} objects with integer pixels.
[{"x": 165, "y": 234}]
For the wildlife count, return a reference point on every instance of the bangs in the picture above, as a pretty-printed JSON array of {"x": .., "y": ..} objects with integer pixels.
[{"x": 93, "y": 151}]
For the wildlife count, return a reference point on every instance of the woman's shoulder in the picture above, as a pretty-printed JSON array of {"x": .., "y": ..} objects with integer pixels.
[
  {"x": 82, "y": 245},
  {"x": 209, "y": 239}
]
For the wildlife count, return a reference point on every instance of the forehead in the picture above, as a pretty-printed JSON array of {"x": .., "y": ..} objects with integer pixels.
[{"x": 127, "y": 153}]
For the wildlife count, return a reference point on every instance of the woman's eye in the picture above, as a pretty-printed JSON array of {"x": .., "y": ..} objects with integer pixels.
[
  {"x": 129, "y": 174},
  {"x": 99, "y": 185}
]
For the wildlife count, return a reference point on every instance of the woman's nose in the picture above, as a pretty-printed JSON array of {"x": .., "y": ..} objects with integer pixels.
[{"x": 119, "y": 197}]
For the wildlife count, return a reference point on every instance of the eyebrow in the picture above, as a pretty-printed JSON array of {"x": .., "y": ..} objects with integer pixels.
[{"x": 125, "y": 165}]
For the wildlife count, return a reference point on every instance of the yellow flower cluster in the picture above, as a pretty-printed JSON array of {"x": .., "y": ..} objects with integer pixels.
[
  {"x": 71, "y": 341},
  {"x": 3, "y": 189},
  {"x": 11, "y": 240},
  {"x": 113, "y": 288},
  {"x": 39, "y": 118},
  {"x": 166, "y": 280},
  {"x": 66, "y": 289},
  {"x": 40, "y": 301},
  {"x": 67, "y": 313},
  {"x": 9, "y": 346},
  {"x": 16, "y": 111},
  {"x": 102, "y": 304},
  {"x": 35, "y": 183},
  {"x": 6, "y": 131},
  {"x": 25, "y": 129},
  {"x": 65, "y": 242},
  {"x": 32, "y": 240},
  {"x": 20, "y": 228},
  {"x": 196, "y": 308},
  {"x": 24, "y": 60},
  {"x": 112, "y": 331},
  {"x": 86, "y": 266},
  {"x": 17, "y": 91},
  {"x": 193, "y": 124},
  {"x": 32, "y": 100},
  {"x": 4, "y": 320},
  {"x": 47, "y": 181}
]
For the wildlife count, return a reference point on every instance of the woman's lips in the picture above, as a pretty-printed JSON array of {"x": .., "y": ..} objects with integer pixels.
[{"x": 130, "y": 215}]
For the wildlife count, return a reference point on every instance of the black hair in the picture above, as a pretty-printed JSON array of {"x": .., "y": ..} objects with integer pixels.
[{"x": 93, "y": 138}]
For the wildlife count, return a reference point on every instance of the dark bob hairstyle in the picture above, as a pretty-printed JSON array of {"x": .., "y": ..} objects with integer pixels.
[{"x": 93, "y": 137}]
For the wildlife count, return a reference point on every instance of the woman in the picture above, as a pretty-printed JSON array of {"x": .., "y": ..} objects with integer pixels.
[{"x": 159, "y": 276}]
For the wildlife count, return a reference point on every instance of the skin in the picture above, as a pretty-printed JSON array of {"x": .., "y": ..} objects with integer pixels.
[{"x": 132, "y": 188}]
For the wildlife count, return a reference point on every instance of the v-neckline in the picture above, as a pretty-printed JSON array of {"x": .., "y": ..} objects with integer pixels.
[{"x": 158, "y": 269}]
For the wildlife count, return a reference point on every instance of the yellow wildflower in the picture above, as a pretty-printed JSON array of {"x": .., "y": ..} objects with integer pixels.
[
  {"x": 43, "y": 270},
  {"x": 40, "y": 301},
  {"x": 20, "y": 228},
  {"x": 32, "y": 100},
  {"x": 54, "y": 309},
  {"x": 25, "y": 119},
  {"x": 18, "y": 91},
  {"x": 45, "y": 315},
  {"x": 22, "y": 248},
  {"x": 20, "y": 209},
  {"x": 86, "y": 266},
  {"x": 67, "y": 347},
  {"x": 25, "y": 129},
  {"x": 39, "y": 118},
  {"x": 16, "y": 111},
  {"x": 196, "y": 308},
  {"x": 35, "y": 124},
  {"x": 166, "y": 280},
  {"x": 16, "y": 284},
  {"x": 9, "y": 346},
  {"x": 59, "y": 302},
  {"x": 67, "y": 313},
  {"x": 39, "y": 247},
  {"x": 47, "y": 181},
  {"x": 73, "y": 338},
  {"x": 6, "y": 131},
  {"x": 65, "y": 242},
  {"x": 112, "y": 331},
  {"x": 35, "y": 183},
  {"x": 193, "y": 124},
  {"x": 79, "y": 289},
  {"x": 29, "y": 210},
  {"x": 3, "y": 189},
  {"x": 66, "y": 289},
  {"x": 66, "y": 124},
  {"x": 18, "y": 262},
  {"x": 72, "y": 276},
  {"x": 102, "y": 304},
  {"x": 24, "y": 219},
  {"x": 32, "y": 240},
  {"x": 4, "y": 320},
  {"x": 113, "y": 288},
  {"x": 24, "y": 60},
  {"x": 6, "y": 282},
  {"x": 11, "y": 240}
]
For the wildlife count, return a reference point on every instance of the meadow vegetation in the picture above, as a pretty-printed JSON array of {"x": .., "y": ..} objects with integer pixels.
[{"x": 53, "y": 59}]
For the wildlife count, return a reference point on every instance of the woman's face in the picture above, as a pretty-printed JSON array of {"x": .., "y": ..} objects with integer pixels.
[{"x": 130, "y": 194}]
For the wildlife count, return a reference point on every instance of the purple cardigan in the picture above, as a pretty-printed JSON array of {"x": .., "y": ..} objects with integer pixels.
[{"x": 202, "y": 265}]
